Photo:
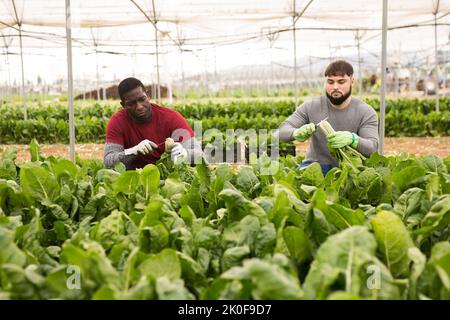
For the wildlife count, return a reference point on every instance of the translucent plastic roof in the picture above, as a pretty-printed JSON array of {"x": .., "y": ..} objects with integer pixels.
[
  {"x": 209, "y": 35},
  {"x": 104, "y": 13}
]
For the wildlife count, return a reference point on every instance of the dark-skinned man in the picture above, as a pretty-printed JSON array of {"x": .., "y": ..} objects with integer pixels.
[{"x": 136, "y": 134}]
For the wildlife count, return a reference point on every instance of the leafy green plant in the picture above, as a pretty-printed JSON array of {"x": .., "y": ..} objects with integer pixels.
[{"x": 172, "y": 231}]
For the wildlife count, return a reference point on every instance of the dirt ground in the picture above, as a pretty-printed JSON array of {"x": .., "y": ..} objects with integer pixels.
[{"x": 439, "y": 146}]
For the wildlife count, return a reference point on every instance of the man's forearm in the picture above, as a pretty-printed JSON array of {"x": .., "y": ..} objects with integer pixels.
[
  {"x": 368, "y": 135},
  {"x": 295, "y": 121},
  {"x": 115, "y": 153},
  {"x": 285, "y": 131},
  {"x": 367, "y": 146}
]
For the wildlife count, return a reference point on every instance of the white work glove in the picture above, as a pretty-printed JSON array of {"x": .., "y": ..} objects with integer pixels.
[
  {"x": 144, "y": 147},
  {"x": 178, "y": 153}
]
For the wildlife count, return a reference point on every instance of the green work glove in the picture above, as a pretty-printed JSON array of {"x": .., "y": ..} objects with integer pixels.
[
  {"x": 340, "y": 139},
  {"x": 304, "y": 132}
]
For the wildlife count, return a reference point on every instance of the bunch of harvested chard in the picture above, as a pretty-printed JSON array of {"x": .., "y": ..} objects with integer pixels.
[{"x": 345, "y": 155}]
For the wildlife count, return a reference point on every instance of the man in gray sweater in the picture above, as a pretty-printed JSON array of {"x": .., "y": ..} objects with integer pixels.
[{"x": 355, "y": 122}]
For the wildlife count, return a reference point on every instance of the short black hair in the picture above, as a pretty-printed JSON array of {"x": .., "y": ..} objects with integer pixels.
[
  {"x": 339, "y": 68},
  {"x": 127, "y": 85}
]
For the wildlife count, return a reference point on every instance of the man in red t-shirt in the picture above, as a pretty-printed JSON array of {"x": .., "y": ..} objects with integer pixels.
[{"x": 136, "y": 134}]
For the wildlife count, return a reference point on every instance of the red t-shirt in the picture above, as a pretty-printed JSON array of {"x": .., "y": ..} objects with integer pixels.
[{"x": 165, "y": 123}]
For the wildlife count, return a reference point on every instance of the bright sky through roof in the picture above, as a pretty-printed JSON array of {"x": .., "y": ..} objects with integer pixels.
[{"x": 212, "y": 36}]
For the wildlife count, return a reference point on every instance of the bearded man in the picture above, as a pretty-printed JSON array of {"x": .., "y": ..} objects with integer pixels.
[{"x": 355, "y": 122}]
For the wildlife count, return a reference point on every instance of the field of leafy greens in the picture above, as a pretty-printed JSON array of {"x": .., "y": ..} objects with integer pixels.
[{"x": 79, "y": 231}]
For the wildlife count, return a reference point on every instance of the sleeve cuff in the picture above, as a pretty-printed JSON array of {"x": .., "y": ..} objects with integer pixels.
[{"x": 355, "y": 141}]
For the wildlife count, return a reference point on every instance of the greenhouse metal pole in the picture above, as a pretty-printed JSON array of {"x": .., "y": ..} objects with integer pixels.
[
  {"x": 359, "y": 65},
  {"x": 19, "y": 23},
  {"x": 8, "y": 66},
  {"x": 179, "y": 43},
  {"x": 383, "y": 77},
  {"x": 310, "y": 82},
  {"x": 271, "y": 37},
  {"x": 7, "y": 85},
  {"x": 3, "y": 87},
  {"x": 445, "y": 80},
  {"x": 70, "y": 82},
  {"x": 97, "y": 74},
  {"x": 158, "y": 88},
  {"x": 436, "y": 59},
  {"x": 294, "y": 20},
  {"x": 2, "y": 94},
  {"x": 84, "y": 88},
  {"x": 295, "y": 17},
  {"x": 24, "y": 98}
]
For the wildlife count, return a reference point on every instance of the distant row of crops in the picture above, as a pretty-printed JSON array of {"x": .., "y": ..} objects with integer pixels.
[{"x": 49, "y": 123}]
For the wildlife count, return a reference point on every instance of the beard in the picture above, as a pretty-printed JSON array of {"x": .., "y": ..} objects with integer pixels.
[{"x": 341, "y": 99}]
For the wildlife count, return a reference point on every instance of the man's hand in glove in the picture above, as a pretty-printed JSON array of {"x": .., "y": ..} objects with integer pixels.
[
  {"x": 341, "y": 139},
  {"x": 144, "y": 147},
  {"x": 304, "y": 132},
  {"x": 178, "y": 153}
]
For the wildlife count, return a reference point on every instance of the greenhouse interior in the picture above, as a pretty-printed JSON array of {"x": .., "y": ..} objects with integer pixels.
[{"x": 225, "y": 150}]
